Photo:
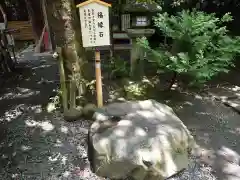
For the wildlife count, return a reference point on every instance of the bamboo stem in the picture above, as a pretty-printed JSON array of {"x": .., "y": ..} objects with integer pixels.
[
  {"x": 62, "y": 81},
  {"x": 72, "y": 95}
]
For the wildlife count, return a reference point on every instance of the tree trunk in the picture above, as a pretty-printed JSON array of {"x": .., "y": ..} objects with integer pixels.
[
  {"x": 4, "y": 16},
  {"x": 172, "y": 81},
  {"x": 65, "y": 25}
]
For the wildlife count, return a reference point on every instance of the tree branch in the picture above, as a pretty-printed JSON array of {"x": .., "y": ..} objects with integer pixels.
[{"x": 4, "y": 16}]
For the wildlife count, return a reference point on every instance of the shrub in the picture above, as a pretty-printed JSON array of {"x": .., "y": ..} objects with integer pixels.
[{"x": 199, "y": 45}]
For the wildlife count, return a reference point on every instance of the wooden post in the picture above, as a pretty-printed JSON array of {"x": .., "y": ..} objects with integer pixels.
[
  {"x": 95, "y": 35},
  {"x": 98, "y": 78}
]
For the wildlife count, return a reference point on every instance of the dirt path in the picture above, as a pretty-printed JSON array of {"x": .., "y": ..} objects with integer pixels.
[{"x": 38, "y": 145}]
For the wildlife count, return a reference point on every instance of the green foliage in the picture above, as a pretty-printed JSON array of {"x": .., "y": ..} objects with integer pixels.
[
  {"x": 199, "y": 45},
  {"x": 135, "y": 89},
  {"x": 118, "y": 68},
  {"x": 138, "y": 89},
  {"x": 175, "y": 3},
  {"x": 91, "y": 86},
  {"x": 54, "y": 102}
]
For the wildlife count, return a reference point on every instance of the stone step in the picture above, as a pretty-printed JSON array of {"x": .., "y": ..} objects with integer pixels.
[
  {"x": 235, "y": 104},
  {"x": 224, "y": 94},
  {"x": 229, "y": 96}
]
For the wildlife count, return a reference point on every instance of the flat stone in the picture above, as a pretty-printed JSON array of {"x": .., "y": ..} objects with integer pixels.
[
  {"x": 223, "y": 94},
  {"x": 235, "y": 104}
]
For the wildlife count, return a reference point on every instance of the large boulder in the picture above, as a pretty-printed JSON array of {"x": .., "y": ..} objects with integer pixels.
[{"x": 143, "y": 140}]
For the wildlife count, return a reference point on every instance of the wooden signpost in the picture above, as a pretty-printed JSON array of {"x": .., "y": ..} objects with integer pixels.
[{"x": 94, "y": 19}]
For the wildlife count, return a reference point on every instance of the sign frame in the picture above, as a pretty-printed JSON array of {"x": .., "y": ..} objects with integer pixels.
[{"x": 95, "y": 23}]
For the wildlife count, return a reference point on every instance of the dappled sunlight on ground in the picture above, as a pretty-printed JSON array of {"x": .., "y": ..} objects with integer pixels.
[
  {"x": 46, "y": 148},
  {"x": 212, "y": 124},
  {"x": 35, "y": 144},
  {"x": 19, "y": 93}
]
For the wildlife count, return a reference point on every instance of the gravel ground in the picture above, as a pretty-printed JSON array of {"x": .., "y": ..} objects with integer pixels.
[
  {"x": 36, "y": 145},
  {"x": 39, "y": 145}
]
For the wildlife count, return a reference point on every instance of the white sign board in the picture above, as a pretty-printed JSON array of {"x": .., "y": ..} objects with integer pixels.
[{"x": 94, "y": 19}]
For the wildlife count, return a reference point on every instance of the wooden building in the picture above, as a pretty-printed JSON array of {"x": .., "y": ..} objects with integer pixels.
[
  {"x": 17, "y": 13},
  {"x": 17, "y": 17}
]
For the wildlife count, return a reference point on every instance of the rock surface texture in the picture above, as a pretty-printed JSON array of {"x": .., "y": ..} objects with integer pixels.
[{"x": 143, "y": 140}]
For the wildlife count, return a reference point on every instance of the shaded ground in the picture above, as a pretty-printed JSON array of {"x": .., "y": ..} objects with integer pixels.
[
  {"x": 35, "y": 144},
  {"x": 213, "y": 124}
]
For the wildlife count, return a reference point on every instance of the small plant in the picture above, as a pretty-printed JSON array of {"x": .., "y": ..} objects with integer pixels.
[
  {"x": 199, "y": 45},
  {"x": 136, "y": 90},
  {"x": 91, "y": 86},
  {"x": 55, "y": 102}
]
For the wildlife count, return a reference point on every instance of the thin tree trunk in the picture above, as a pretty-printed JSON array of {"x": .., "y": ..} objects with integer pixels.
[
  {"x": 46, "y": 22},
  {"x": 39, "y": 43},
  {"x": 174, "y": 51},
  {"x": 172, "y": 81},
  {"x": 4, "y": 16}
]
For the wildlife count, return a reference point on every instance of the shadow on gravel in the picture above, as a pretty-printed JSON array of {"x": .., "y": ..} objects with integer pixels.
[
  {"x": 35, "y": 144},
  {"x": 39, "y": 145}
]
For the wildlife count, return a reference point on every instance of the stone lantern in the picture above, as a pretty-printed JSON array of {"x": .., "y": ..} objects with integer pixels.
[{"x": 141, "y": 24}]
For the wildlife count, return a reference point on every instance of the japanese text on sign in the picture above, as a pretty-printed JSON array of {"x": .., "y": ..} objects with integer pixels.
[{"x": 95, "y": 25}]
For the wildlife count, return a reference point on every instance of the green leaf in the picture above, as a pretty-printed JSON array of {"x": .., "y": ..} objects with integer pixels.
[{"x": 200, "y": 44}]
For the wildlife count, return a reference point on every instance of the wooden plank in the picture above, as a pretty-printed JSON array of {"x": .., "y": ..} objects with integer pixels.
[{"x": 25, "y": 30}]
